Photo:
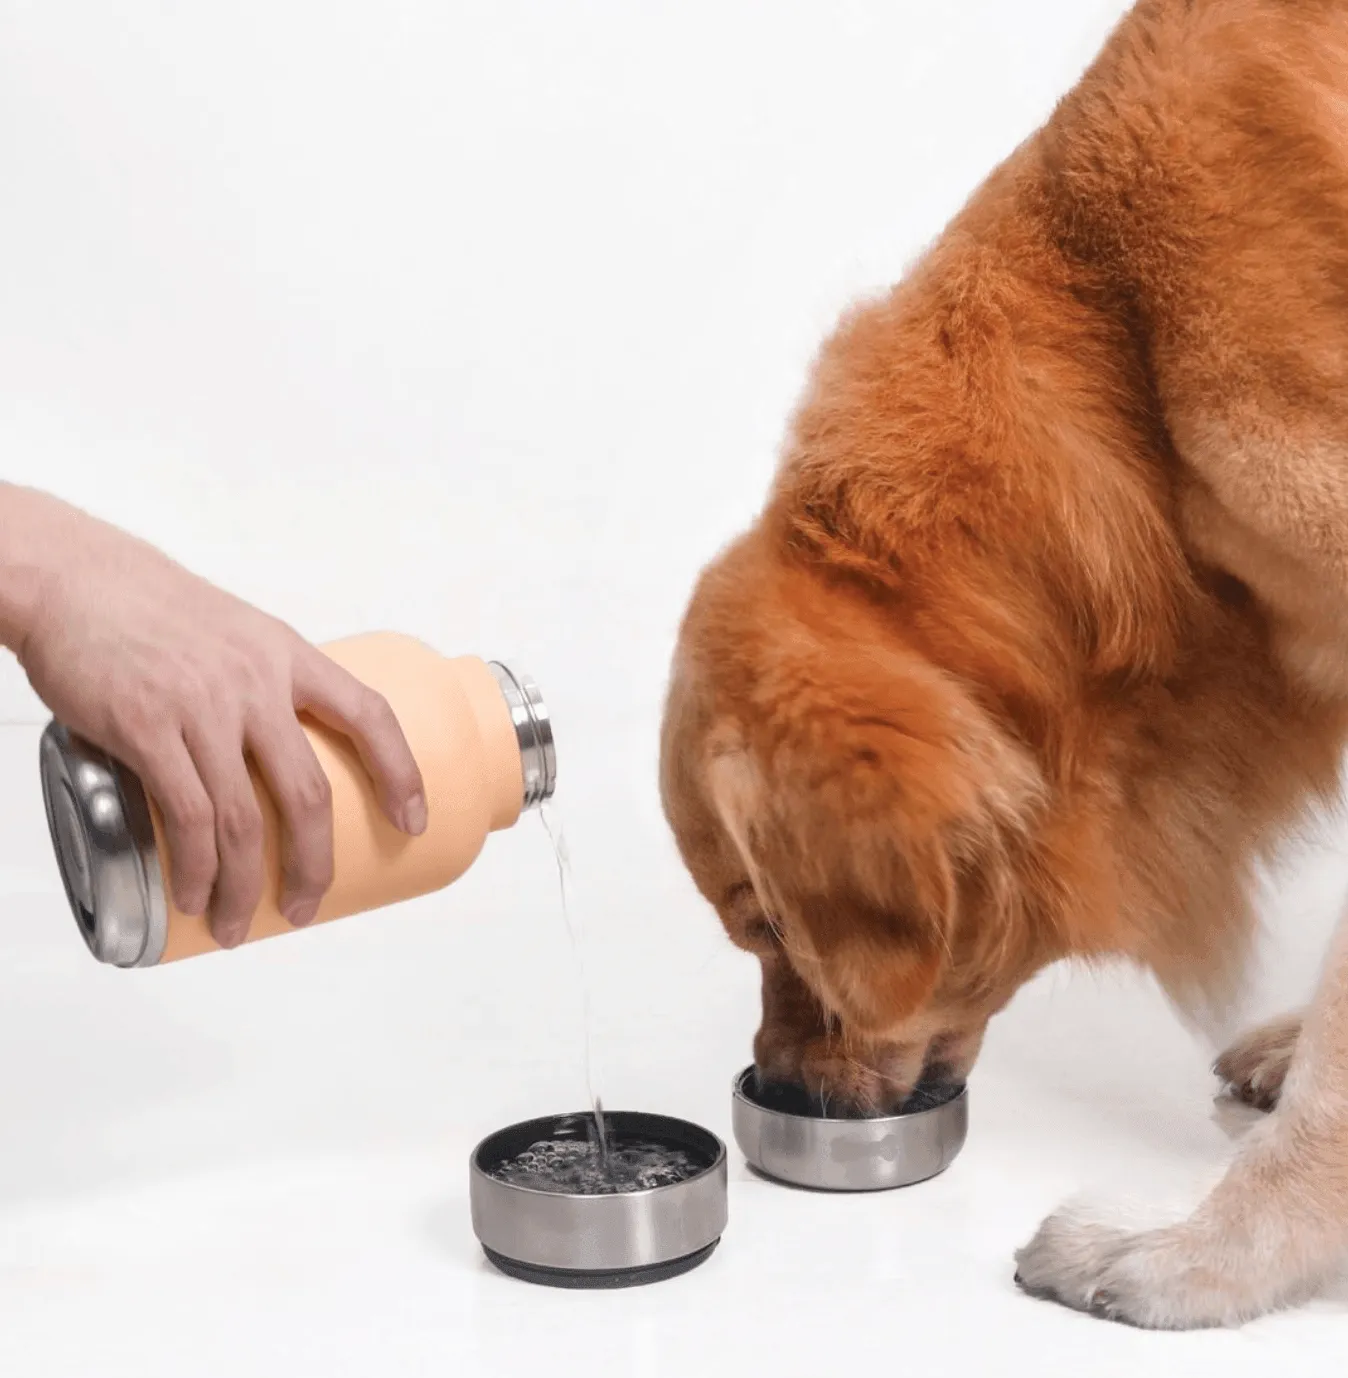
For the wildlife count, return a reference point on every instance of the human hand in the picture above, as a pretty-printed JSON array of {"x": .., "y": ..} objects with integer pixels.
[{"x": 183, "y": 682}]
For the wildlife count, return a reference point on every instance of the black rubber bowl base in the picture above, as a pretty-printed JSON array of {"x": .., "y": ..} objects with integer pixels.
[{"x": 589, "y": 1279}]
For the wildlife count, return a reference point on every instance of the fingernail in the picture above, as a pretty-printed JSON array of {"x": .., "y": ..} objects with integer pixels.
[
  {"x": 300, "y": 912},
  {"x": 414, "y": 815},
  {"x": 233, "y": 935}
]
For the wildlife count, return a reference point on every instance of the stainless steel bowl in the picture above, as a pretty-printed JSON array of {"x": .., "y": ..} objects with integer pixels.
[
  {"x": 617, "y": 1240},
  {"x": 848, "y": 1155}
]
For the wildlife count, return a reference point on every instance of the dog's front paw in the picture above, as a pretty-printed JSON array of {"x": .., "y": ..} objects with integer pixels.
[{"x": 1176, "y": 1278}]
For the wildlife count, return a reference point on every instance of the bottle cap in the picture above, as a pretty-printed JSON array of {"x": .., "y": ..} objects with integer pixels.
[{"x": 100, "y": 827}]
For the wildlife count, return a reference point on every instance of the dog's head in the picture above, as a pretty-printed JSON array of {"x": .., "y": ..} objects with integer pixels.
[{"x": 856, "y": 819}]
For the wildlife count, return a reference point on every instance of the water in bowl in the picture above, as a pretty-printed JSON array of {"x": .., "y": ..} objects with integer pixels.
[
  {"x": 573, "y": 1164},
  {"x": 788, "y": 1099}
]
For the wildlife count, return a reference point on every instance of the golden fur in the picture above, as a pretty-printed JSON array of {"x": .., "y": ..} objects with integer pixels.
[{"x": 1042, "y": 636}]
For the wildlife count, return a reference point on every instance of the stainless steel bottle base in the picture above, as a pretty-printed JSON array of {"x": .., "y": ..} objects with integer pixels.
[
  {"x": 622, "y": 1239},
  {"x": 825, "y": 1154},
  {"x": 99, "y": 819}
]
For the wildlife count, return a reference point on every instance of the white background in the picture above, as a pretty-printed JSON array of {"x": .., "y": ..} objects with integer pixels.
[{"x": 482, "y": 321}]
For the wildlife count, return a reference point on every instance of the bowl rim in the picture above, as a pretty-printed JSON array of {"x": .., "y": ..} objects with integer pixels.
[
  {"x": 478, "y": 1172},
  {"x": 853, "y": 1121}
]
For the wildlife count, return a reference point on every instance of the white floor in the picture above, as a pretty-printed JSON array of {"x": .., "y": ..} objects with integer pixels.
[
  {"x": 483, "y": 322},
  {"x": 256, "y": 1164}
]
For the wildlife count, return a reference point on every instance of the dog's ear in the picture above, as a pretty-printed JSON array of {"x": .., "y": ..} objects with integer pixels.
[{"x": 861, "y": 790}]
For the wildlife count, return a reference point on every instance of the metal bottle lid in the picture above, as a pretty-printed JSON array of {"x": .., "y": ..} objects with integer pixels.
[{"x": 100, "y": 827}]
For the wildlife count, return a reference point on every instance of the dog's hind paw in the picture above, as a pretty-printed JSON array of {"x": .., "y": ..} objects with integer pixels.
[{"x": 1253, "y": 1068}]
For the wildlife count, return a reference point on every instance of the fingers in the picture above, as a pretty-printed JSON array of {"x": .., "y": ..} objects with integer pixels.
[
  {"x": 212, "y": 816},
  {"x": 220, "y": 763},
  {"x": 339, "y": 700},
  {"x": 304, "y": 798},
  {"x": 171, "y": 777}
]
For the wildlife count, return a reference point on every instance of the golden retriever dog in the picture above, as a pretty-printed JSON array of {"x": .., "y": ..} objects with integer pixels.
[{"x": 1041, "y": 639}]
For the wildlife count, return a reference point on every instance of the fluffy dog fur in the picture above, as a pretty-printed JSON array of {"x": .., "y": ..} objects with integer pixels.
[{"x": 1042, "y": 636}]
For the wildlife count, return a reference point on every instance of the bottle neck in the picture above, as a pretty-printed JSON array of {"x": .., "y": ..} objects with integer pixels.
[
  {"x": 516, "y": 736},
  {"x": 533, "y": 734}
]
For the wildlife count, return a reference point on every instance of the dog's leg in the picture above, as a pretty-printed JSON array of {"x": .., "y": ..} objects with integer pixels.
[
  {"x": 1269, "y": 1234},
  {"x": 1254, "y": 1068}
]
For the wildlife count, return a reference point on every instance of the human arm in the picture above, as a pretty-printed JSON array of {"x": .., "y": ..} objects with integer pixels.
[{"x": 185, "y": 683}]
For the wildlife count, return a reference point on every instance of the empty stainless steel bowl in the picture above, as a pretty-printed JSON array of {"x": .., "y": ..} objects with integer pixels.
[
  {"x": 809, "y": 1150},
  {"x": 620, "y": 1239}
]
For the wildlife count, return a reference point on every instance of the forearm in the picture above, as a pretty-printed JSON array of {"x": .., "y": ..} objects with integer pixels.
[{"x": 29, "y": 542}]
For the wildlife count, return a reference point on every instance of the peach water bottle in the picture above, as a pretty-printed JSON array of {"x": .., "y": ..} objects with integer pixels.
[{"x": 479, "y": 731}]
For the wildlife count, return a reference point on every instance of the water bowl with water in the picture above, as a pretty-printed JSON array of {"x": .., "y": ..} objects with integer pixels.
[{"x": 555, "y": 1202}]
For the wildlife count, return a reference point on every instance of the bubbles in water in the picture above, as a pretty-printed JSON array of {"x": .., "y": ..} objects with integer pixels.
[{"x": 573, "y": 1167}]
